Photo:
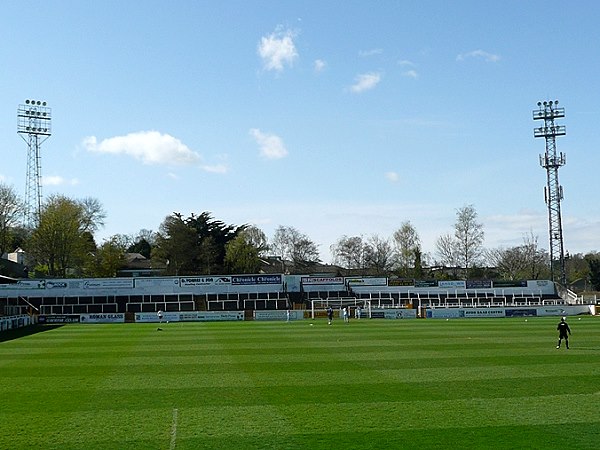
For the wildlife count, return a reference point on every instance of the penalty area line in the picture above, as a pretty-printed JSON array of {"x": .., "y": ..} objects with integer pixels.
[{"x": 174, "y": 429}]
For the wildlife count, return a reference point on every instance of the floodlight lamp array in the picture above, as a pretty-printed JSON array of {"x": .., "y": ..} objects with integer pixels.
[
  {"x": 35, "y": 102},
  {"x": 34, "y": 117}
]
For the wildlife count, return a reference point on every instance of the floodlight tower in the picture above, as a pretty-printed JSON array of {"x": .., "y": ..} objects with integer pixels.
[
  {"x": 34, "y": 126},
  {"x": 553, "y": 192}
]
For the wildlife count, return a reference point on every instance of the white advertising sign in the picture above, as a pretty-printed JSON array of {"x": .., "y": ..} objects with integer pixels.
[
  {"x": 367, "y": 281},
  {"x": 102, "y": 318},
  {"x": 278, "y": 315},
  {"x": 25, "y": 284},
  {"x": 108, "y": 283},
  {"x": 151, "y": 282},
  {"x": 482, "y": 312},
  {"x": 215, "y": 316},
  {"x": 203, "y": 281},
  {"x": 443, "y": 313},
  {"x": 452, "y": 284},
  {"x": 322, "y": 280},
  {"x": 192, "y": 316}
]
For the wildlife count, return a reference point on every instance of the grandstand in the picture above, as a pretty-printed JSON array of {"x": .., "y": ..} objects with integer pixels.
[
  {"x": 135, "y": 295},
  {"x": 263, "y": 292}
]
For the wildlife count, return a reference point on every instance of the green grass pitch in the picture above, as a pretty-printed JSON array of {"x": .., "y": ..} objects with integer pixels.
[{"x": 372, "y": 384}]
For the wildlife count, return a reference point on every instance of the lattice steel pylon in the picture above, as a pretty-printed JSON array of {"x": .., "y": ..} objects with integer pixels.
[
  {"x": 553, "y": 192},
  {"x": 34, "y": 120}
]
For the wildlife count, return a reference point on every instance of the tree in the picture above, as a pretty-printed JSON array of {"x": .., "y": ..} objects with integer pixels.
[
  {"x": 522, "y": 262},
  {"x": 509, "y": 262},
  {"x": 209, "y": 261},
  {"x": 349, "y": 252},
  {"x": 92, "y": 214},
  {"x": 408, "y": 248},
  {"x": 241, "y": 254},
  {"x": 290, "y": 244},
  {"x": 469, "y": 237},
  {"x": 536, "y": 259},
  {"x": 447, "y": 249},
  {"x": 255, "y": 237},
  {"x": 177, "y": 246},
  {"x": 10, "y": 207},
  {"x": 63, "y": 237},
  {"x": 465, "y": 248},
  {"x": 577, "y": 267},
  {"x": 109, "y": 257},
  {"x": 379, "y": 255},
  {"x": 143, "y": 243},
  {"x": 593, "y": 260},
  {"x": 195, "y": 244}
]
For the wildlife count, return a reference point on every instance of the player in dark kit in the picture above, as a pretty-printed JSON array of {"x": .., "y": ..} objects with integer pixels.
[
  {"x": 329, "y": 315},
  {"x": 563, "y": 332}
]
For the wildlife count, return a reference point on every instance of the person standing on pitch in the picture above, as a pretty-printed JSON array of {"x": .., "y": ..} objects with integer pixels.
[
  {"x": 563, "y": 332},
  {"x": 357, "y": 312},
  {"x": 159, "y": 314},
  {"x": 329, "y": 315}
]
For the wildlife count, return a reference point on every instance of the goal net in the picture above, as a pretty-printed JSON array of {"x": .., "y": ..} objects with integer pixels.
[{"x": 319, "y": 306}]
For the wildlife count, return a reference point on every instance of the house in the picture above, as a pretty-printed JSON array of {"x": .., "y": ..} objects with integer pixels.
[{"x": 137, "y": 265}]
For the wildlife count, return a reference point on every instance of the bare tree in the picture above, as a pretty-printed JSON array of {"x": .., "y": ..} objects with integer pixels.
[
  {"x": 379, "y": 254},
  {"x": 10, "y": 207},
  {"x": 290, "y": 244},
  {"x": 446, "y": 249},
  {"x": 349, "y": 252},
  {"x": 509, "y": 262},
  {"x": 92, "y": 214},
  {"x": 525, "y": 261},
  {"x": 538, "y": 260},
  {"x": 255, "y": 237}
]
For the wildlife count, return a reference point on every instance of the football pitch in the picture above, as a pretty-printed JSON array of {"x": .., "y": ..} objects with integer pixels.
[{"x": 371, "y": 384}]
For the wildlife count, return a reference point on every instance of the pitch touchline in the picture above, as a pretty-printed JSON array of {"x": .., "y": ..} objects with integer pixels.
[{"x": 174, "y": 429}]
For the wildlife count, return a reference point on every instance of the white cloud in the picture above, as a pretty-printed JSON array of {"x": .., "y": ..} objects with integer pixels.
[
  {"x": 372, "y": 52},
  {"x": 411, "y": 74},
  {"x": 406, "y": 62},
  {"x": 479, "y": 54},
  {"x": 392, "y": 177},
  {"x": 278, "y": 50},
  {"x": 150, "y": 147},
  {"x": 365, "y": 82},
  {"x": 217, "y": 168},
  {"x": 271, "y": 146},
  {"x": 319, "y": 65},
  {"x": 57, "y": 180}
]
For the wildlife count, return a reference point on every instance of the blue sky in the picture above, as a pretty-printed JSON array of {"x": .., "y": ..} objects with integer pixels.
[{"x": 334, "y": 117}]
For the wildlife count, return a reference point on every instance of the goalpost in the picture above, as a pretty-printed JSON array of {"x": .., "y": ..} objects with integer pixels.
[{"x": 338, "y": 303}]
